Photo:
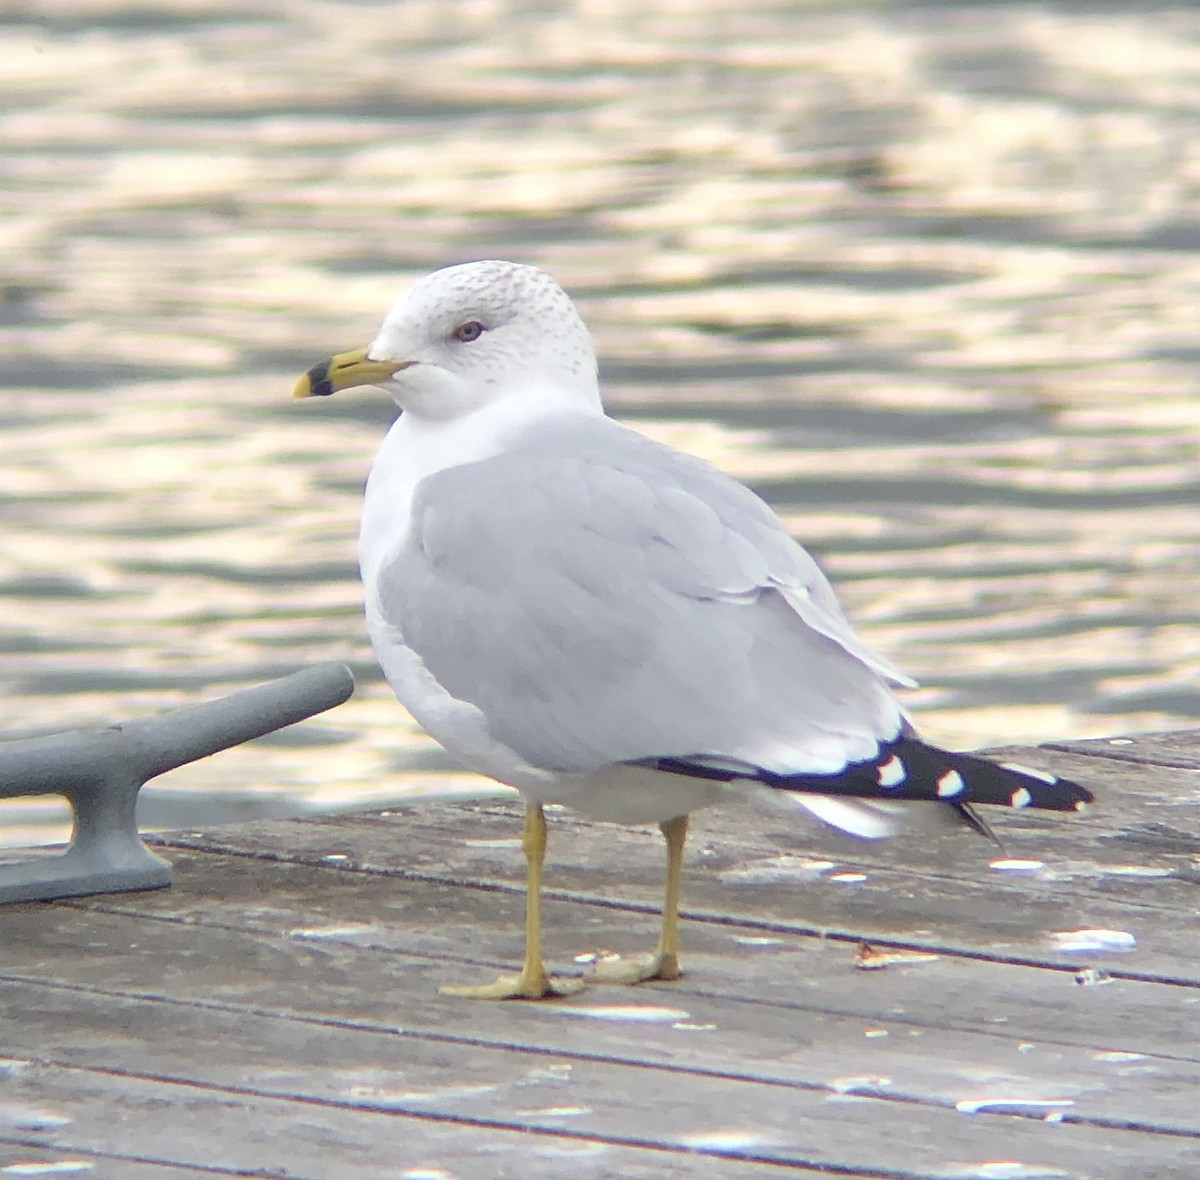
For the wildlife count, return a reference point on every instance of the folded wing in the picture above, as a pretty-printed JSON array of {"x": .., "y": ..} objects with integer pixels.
[{"x": 600, "y": 598}]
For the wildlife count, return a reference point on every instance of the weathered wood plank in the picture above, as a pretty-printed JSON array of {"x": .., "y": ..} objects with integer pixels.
[
  {"x": 21, "y": 1159},
  {"x": 1179, "y": 748},
  {"x": 190, "y": 1124},
  {"x": 444, "y": 932},
  {"x": 667, "y": 1030},
  {"x": 742, "y": 1037},
  {"x": 285, "y": 990},
  {"x": 598, "y": 1099},
  {"x": 946, "y": 898}
]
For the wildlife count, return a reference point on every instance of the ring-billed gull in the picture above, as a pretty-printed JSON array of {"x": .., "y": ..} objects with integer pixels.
[{"x": 601, "y": 621}]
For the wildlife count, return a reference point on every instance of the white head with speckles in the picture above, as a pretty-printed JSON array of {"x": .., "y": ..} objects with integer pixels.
[{"x": 475, "y": 334}]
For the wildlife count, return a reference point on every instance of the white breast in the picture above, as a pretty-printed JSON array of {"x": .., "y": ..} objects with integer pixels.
[{"x": 413, "y": 450}]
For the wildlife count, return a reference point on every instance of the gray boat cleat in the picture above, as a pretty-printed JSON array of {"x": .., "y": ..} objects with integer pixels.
[{"x": 100, "y": 773}]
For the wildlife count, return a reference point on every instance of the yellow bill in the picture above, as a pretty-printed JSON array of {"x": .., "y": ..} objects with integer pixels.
[{"x": 344, "y": 371}]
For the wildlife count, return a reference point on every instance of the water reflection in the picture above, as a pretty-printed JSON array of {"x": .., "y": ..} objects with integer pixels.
[{"x": 925, "y": 279}]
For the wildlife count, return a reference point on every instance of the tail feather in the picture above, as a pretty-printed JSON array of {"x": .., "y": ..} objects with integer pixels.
[
  {"x": 907, "y": 768},
  {"x": 976, "y": 822}
]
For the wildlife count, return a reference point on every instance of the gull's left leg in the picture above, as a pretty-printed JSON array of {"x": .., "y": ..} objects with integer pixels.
[
  {"x": 532, "y": 983},
  {"x": 664, "y": 962}
]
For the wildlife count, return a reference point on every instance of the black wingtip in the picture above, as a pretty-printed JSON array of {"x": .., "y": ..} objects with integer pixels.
[{"x": 909, "y": 769}]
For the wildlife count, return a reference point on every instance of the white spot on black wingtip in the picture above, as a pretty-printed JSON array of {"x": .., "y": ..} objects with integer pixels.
[
  {"x": 1021, "y": 798},
  {"x": 891, "y": 774},
  {"x": 1080, "y": 807},
  {"x": 950, "y": 784},
  {"x": 1043, "y": 776}
]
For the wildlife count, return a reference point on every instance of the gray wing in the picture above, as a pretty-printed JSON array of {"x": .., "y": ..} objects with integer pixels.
[{"x": 601, "y": 598}]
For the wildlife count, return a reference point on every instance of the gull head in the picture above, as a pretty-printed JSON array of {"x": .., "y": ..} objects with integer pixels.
[{"x": 470, "y": 336}]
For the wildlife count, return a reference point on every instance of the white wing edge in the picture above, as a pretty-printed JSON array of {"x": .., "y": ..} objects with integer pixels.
[
  {"x": 859, "y": 819},
  {"x": 800, "y": 600}
]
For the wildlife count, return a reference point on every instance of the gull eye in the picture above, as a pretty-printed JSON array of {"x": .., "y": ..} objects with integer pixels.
[{"x": 469, "y": 331}]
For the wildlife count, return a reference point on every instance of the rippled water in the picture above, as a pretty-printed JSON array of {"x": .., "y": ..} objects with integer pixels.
[{"x": 925, "y": 274}]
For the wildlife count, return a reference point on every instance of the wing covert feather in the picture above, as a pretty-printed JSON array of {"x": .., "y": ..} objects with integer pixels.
[{"x": 601, "y": 598}]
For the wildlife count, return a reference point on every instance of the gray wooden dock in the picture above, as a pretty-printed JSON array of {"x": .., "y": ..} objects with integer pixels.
[{"x": 276, "y": 1012}]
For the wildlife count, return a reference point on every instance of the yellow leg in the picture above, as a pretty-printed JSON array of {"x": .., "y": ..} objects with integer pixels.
[
  {"x": 664, "y": 962},
  {"x": 532, "y": 983}
]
